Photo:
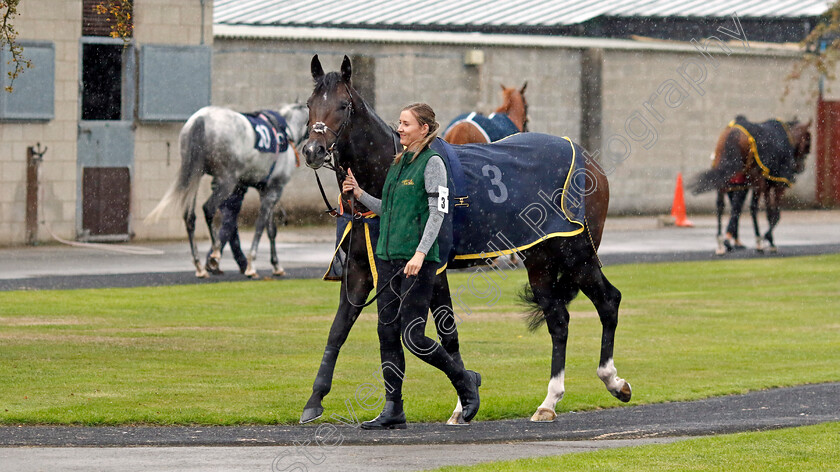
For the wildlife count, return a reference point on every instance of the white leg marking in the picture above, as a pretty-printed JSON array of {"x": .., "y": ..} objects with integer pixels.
[
  {"x": 456, "y": 419},
  {"x": 607, "y": 374},
  {"x": 250, "y": 271},
  {"x": 556, "y": 389}
]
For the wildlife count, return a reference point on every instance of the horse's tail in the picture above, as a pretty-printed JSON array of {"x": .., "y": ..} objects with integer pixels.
[
  {"x": 729, "y": 161},
  {"x": 536, "y": 314},
  {"x": 182, "y": 192}
]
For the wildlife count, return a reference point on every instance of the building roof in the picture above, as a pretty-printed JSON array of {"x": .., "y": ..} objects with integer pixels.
[{"x": 483, "y": 14}]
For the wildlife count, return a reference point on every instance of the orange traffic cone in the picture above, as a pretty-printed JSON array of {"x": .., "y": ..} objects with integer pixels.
[{"x": 678, "y": 208}]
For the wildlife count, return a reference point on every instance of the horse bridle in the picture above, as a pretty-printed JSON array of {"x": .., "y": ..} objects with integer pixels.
[
  {"x": 330, "y": 163},
  {"x": 319, "y": 127}
]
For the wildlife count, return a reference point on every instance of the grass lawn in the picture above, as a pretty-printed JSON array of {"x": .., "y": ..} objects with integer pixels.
[
  {"x": 247, "y": 353},
  {"x": 810, "y": 448}
]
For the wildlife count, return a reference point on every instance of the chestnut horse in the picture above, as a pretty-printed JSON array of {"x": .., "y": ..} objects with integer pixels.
[
  {"x": 750, "y": 149},
  {"x": 346, "y": 133},
  {"x": 514, "y": 106}
]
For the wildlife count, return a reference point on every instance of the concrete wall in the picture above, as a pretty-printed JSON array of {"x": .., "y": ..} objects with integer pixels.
[
  {"x": 683, "y": 132},
  {"x": 58, "y": 21},
  {"x": 251, "y": 74},
  {"x": 157, "y": 157},
  {"x": 735, "y": 79}
]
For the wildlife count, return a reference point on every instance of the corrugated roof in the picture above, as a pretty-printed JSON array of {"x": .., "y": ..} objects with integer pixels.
[{"x": 491, "y": 13}]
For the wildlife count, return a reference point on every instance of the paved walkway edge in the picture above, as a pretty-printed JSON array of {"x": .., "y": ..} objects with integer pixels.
[{"x": 761, "y": 410}]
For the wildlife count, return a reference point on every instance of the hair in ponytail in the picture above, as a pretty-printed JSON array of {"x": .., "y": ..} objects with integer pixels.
[{"x": 425, "y": 116}]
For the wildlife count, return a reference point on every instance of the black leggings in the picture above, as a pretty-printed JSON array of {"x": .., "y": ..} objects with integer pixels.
[{"x": 403, "y": 310}]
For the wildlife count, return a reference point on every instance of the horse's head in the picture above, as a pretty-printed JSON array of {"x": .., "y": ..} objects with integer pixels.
[
  {"x": 297, "y": 118},
  {"x": 330, "y": 110},
  {"x": 515, "y": 106},
  {"x": 801, "y": 133}
]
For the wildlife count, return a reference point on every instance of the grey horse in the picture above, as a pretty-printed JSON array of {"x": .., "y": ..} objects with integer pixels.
[{"x": 220, "y": 142}]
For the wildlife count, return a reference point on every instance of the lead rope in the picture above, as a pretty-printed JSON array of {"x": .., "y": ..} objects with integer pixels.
[{"x": 346, "y": 263}]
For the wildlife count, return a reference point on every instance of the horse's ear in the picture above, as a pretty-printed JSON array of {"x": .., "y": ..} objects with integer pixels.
[
  {"x": 346, "y": 70},
  {"x": 522, "y": 90},
  {"x": 317, "y": 70},
  {"x": 808, "y": 124},
  {"x": 503, "y": 86}
]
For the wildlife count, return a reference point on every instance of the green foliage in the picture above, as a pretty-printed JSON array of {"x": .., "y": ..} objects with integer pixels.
[
  {"x": 119, "y": 15},
  {"x": 8, "y": 36}
]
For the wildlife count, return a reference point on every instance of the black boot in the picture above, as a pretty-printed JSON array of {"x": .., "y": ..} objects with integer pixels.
[
  {"x": 392, "y": 417},
  {"x": 467, "y": 389}
]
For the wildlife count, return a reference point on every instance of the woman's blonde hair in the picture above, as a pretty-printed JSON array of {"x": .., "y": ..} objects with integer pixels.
[{"x": 425, "y": 116}]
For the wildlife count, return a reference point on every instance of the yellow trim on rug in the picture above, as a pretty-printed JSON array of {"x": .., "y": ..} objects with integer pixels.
[
  {"x": 564, "y": 234},
  {"x": 754, "y": 150}
]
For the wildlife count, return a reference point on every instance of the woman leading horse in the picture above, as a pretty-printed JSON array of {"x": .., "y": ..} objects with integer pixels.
[
  {"x": 346, "y": 133},
  {"x": 411, "y": 195}
]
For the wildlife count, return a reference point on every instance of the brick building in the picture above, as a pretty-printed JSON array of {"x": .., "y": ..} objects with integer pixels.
[{"x": 110, "y": 114}]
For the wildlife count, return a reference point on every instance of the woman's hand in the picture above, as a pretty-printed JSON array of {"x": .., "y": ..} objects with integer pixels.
[
  {"x": 350, "y": 185},
  {"x": 412, "y": 267}
]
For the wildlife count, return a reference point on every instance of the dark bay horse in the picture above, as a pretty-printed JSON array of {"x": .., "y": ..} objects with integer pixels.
[
  {"x": 514, "y": 107},
  {"x": 221, "y": 142},
  {"x": 769, "y": 155},
  {"x": 347, "y": 133}
]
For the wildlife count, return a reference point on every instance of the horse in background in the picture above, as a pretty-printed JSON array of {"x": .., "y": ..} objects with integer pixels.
[
  {"x": 510, "y": 118},
  {"x": 236, "y": 150},
  {"x": 770, "y": 155}
]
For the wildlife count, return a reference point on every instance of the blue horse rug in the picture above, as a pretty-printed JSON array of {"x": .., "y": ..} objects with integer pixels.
[
  {"x": 270, "y": 128},
  {"x": 512, "y": 194},
  {"x": 494, "y": 127},
  {"x": 504, "y": 197},
  {"x": 772, "y": 148}
]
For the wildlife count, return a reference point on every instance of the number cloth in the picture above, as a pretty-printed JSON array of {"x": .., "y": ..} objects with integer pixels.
[{"x": 270, "y": 128}]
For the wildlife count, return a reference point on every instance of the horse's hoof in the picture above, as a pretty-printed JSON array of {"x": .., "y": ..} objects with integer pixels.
[
  {"x": 720, "y": 251},
  {"x": 251, "y": 273},
  {"x": 456, "y": 420},
  {"x": 311, "y": 414},
  {"x": 543, "y": 415},
  {"x": 625, "y": 393},
  {"x": 212, "y": 265},
  {"x": 202, "y": 274},
  {"x": 773, "y": 250},
  {"x": 279, "y": 272}
]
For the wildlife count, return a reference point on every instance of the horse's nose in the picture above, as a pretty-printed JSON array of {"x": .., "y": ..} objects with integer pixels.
[{"x": 314, "y": 154}]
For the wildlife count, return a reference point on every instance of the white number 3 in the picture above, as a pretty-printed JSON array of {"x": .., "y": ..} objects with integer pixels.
[{"x": 495, "y": 179}]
